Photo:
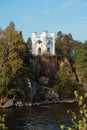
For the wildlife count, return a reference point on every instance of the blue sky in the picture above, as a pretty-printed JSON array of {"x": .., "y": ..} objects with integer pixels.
[{"x": 68, "y": 16}]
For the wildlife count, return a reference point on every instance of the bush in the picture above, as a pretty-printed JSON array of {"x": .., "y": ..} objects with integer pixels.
[
  {"x": 79, "y": 121},
  {"x": 2, "y": 122}
]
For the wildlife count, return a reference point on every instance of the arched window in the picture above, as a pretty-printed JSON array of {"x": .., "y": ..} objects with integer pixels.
[
  {"x": 39, "y": 50},
  {"x": 39, "y": 42},
  {"x": 48, "y": 50}
]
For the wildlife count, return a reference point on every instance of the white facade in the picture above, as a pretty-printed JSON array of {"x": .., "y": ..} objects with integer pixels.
[{"x": 43, "y": 44}]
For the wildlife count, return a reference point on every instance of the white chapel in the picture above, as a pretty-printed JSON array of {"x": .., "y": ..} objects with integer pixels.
[{"x": 43, "y": 44}]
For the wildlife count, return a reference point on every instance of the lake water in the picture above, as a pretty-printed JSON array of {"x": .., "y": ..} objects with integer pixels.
[{"x": 48, "y": 117}]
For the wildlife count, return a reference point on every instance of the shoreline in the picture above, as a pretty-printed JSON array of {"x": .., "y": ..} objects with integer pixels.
[
  {"x": 54, "y": 102},
  {"x": 30, "y": 104}
]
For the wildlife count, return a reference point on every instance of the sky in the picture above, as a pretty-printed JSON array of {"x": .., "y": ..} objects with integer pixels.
[{"x": 68, "y": 16}]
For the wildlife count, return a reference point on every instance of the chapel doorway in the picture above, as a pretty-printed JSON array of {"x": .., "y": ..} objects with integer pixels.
[{"x": 48, "y": 50}]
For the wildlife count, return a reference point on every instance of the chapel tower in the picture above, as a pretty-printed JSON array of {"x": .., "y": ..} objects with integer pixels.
[{"x": 43, "y": 44}]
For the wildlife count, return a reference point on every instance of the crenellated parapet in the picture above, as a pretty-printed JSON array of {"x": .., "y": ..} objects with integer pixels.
[{"x": 43, "y": 44}]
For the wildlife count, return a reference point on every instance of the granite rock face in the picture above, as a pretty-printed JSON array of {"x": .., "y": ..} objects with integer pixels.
[{"x": 49, "y": 65}]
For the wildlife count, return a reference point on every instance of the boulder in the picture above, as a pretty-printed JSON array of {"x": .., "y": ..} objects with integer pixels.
[
  {"x": 19, "y": 103},
  {"x": 9, "y": 103},
  {"x": 44, "y": 80}
]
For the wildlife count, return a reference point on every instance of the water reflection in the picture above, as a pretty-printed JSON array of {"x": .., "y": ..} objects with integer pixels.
[{"x": 38, "y": 118}]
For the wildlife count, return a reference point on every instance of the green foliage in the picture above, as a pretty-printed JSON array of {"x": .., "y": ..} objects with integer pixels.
[
  {"x": 79, "y": 121},
  {"x": 29, "y": 45},
  {"x": 63, "y": 74},
  {"x": 64, "y": 83},
  {"x": 64, "y": 45},
  {"x": 13, "y": 69},
  {"x": 2, "y": 122},
  {"x": 75, "y": 68},
  {"x": 15, "y": 93},
  {"x": 34, "y": 68},
  {"x": 81, "y": 61}
]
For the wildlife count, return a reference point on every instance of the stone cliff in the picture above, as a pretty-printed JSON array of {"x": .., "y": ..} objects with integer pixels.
[
  {"x": 46, "y": 68},
  {"x": 49, "y": 65}
]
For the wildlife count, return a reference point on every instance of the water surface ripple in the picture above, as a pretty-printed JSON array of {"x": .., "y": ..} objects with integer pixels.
[{"x": 38, "y": 118}]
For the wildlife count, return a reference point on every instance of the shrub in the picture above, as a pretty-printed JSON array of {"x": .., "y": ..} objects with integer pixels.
[
  {"x": 79, "y": 121},
  {"x": 2, "y": 122}
]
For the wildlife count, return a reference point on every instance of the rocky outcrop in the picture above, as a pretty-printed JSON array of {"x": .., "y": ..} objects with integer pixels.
[
  {"x": 9, "y": 103},
  {"x": 43, "y": 80},
  {"x": 46, "y": 68},
  {"x": 48, "y": 65}
]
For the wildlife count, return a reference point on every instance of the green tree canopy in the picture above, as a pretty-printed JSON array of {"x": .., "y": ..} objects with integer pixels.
[
  {"x": 81, "y": 61},
  {"x": 12, "y": 55},
  {"x": 64, "y": 45}
]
